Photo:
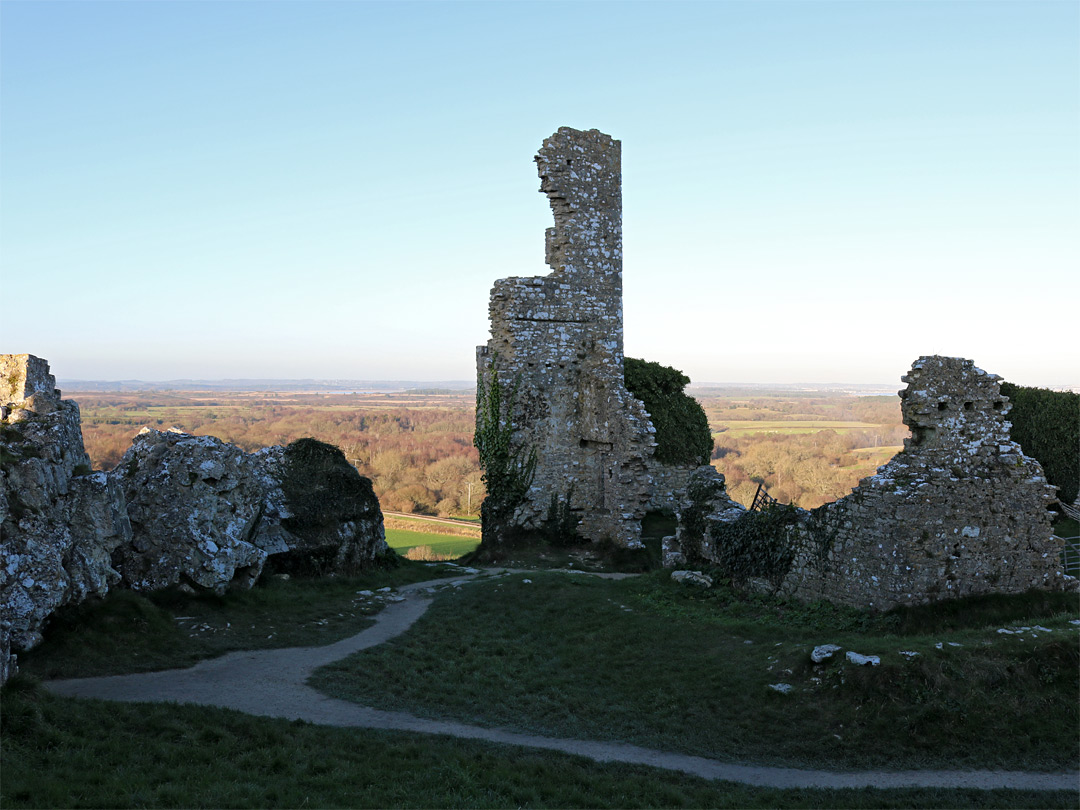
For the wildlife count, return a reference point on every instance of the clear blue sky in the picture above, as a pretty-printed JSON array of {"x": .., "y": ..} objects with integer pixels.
[{"x": 812, "y": 191}]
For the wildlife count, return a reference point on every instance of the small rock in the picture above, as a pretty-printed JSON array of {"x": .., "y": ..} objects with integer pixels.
[
  {"x": 862, "y": 660},
  {"x": 692, "y": 578},
  {"x": 909, "y": 654},
  {"x": 365, "y": 593},
  {"x": 955, "y": 644},
  {"x": 782, "y": 688},
  {"x": 823, "y": 652},
  {"x": 939, "y": 646},
  {"x": 526, "y": 582},
  {"x": 1043, "y": 629},
  {"x": 387, "y": 589}
]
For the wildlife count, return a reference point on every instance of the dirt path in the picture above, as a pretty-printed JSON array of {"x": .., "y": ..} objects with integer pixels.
[{"x": 271, "y": 683}]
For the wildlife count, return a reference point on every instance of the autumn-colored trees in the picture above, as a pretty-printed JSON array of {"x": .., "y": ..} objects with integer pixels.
[{"x": 418, "y": 448}]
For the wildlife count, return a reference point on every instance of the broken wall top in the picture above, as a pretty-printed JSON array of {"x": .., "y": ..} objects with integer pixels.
[
  {"x": 949, "y": 404},
  {"x": 581, "y": 174},
  {"x": 23, "y": 376}
]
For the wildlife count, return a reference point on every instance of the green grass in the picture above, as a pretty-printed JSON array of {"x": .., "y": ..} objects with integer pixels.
[
  {"x": 132, "y": 632},
  {"x": 649, "y": 662},
  {"x": 62, "y": 752},
  {"x": 402, "y": 540}
]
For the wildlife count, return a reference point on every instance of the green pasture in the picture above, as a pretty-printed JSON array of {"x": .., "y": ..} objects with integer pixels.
[{"x": 402, "y": 540}]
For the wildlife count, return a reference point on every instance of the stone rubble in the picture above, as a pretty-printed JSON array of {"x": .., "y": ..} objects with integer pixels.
[
  {"x": 823, "y": 652},
  {"x": 862, "y": 660},
  {"x": 695, "y": 578}
]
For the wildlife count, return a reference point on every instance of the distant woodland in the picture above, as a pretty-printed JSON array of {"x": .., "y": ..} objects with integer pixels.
[{"x": 417, "y": 447}]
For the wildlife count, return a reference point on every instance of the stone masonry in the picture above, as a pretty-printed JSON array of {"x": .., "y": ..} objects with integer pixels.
[
  {"x": 959, "y": 511},
  {"x": 559, "y": 340}
]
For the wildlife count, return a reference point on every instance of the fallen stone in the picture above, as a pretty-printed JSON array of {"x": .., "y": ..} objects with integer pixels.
[
  {"x": 823, "y": 652},
  {"x": 862, "y": 660},
  {"x": 782, "y": 688},
  {"x": 692, "y": 578}
]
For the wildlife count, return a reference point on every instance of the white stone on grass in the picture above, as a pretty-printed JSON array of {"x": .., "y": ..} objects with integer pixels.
[
  {"x": 692, "y": 578},
  {"x": 823, "y": 652},
  {"x": 862, "y": 660}
]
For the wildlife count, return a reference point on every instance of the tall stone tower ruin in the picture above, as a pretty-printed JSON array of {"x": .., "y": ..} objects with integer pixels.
[{"x": 557, "y": 342}]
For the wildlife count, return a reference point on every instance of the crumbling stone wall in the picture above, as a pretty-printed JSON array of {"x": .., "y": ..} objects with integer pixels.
[
  {"x": 558, "y": 341},
  {"x": 59, "y": 523},
  {"x": 960, "y": 511}
]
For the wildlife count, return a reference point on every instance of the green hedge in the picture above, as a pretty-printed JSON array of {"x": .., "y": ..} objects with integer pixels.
[
  {"x": 1047, "y": 425},
  {"x": 682, "y": 430}
]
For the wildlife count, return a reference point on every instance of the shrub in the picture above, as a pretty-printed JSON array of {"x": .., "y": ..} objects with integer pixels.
[
  {"x": 682, "y": 430},
  {"x": 1047, "y": 425}
]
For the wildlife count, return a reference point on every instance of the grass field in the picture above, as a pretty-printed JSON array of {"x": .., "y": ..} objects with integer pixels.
[
  {"x": 454, "y": 545},
  {"x": 660, "y": 665},
  {"x": 132, "y": 632},
  {"x": 639, "y": 659},
  {"x": 62, "y": 752}
]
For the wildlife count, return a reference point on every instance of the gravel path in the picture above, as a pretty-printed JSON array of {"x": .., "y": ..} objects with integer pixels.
[{"x": 271, "y": 683}]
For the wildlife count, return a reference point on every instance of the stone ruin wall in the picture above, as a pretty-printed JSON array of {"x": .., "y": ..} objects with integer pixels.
[
  {"x": 959, "y": 511},
  {"x": 559, "y": 338}
]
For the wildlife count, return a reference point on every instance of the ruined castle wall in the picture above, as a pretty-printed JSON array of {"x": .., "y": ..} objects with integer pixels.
[
  {"x": 558, "y": 340},
  {"x": 960, "y": 511}
]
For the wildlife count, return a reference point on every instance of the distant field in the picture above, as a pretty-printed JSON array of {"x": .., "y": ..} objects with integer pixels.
[
  {"x": 401, "y": 541},
  {"x": 749, "y": 427}
]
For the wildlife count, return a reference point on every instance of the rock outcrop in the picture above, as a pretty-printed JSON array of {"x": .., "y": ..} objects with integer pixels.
[
  {"x": 194, "y": 503},
  {"x": 205, "y": 513},
  {"x": 319, "y": 514},
  {"x": 179, "y": 508},
  {"x": 59, "y": 523}
]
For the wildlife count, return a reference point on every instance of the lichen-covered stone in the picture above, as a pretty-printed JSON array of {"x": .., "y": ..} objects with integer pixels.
[
  {"x": 205, "y": 513},
  {"x": 59, "y": 524},
  {"x": 557, "y": 341},
  {"x": 194, "y": 504}
]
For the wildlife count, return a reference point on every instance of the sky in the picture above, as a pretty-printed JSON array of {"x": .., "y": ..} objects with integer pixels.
[{"x": 812, "y": 191}]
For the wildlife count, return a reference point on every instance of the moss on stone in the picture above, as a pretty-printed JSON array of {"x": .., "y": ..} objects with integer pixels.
[{"x": 321, "y": 487}]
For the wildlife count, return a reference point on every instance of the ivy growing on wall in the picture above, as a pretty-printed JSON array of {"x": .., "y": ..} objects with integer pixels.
[
  {"x": 682, "y": 430},
  {"x": 508, "y": 468},
  {"x": 756, "y": 546}
]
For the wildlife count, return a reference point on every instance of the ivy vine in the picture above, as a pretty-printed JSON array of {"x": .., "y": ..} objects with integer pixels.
[{"x": 508, "y": 467}]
